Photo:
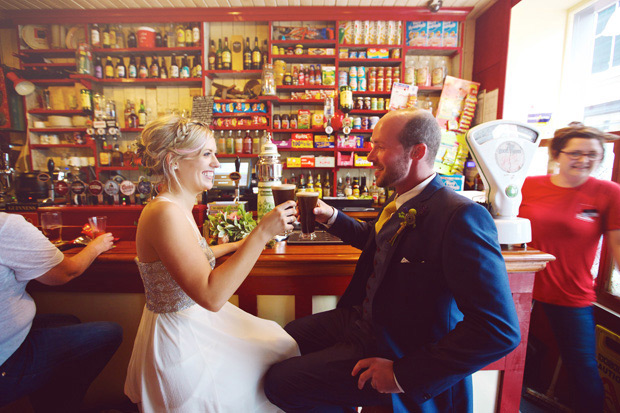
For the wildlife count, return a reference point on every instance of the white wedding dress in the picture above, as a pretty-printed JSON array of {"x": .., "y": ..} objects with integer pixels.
[{"x": 188, "y": 359}]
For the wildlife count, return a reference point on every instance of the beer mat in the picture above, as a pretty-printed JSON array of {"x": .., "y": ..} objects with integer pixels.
[{"x": 322, "y": 237}]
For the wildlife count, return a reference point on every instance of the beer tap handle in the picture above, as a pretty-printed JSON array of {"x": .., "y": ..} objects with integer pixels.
[
  {"x": 50, "y": 169},
  {"x": 237, "y": 176}
]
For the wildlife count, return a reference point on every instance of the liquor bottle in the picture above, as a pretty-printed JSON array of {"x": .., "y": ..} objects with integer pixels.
[
  {"x": 127, "y": 114},
  {"x": 197, "y": 66},
  {"x": 340, "y": 187},
  {"x": 318, "y": 75},
  {"x": 180, "y": 35},
  {"x": 174, "y": 67},
  {"x": 247, "y": 142},
  {"x": 318, "y": 186},
  {"x": 98, "y": 68},
  {"x": 141, "y": 115},
  {"x": 310, "y": 184},
  {"x": 132, "y": 69},
  {"x": 95, "y": 38},
  {"x": 184, "y": 72},
  {"x": 226, "y": 56},
  {"x": 113, "y": 30},
  {"x": 221, "y": 143},
  {"x": 218, "y": 55},
  {"x": 104, "y": 154},
  {"x": 327, "y": 186},
  {"x": 257, "y": 58},
  {"x": 212, "y": 56},
  {"x": 133, "y": 118},
  {"x": 131, "y": 39},
  {"x": 163, "y": 72},
  {"x": 196, "y": 33},
  {"x": 356, "y": 188},
  {"x": 256, "y": 143},
  {"x": 294, "y": 180},
  {"x": 154, "y": 70},
  {"x": 121, "y": 70},
  {"x": 128, "y": 155},
  {"x": 247, "y": 55},
  {"x": 120, "y": 37},
  {"x": 171, "y": 38},
  {"x": 238, "y": 143},
  {"x": 189, "y": 42},
  {"x": 109, "y": 69},
  {"x": 346, "y": 99},
  {"x": 363, "y": 187},
  {"x": 348, "y": 189},
  {"x": 143, "y": 70},
  {"x": 105, "y": 38},
  {"x": 116, "y": 157},
  {"x": 302, "y": 183},
  {"x": 374, "y": 193},
  {"x": 159, "y": 40},
  {"x": 230, "y": 143},
  {"x": 265, "y": 53}
]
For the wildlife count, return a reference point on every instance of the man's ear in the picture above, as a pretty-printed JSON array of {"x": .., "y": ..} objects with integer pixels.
[{"x": 418, "y": 151}]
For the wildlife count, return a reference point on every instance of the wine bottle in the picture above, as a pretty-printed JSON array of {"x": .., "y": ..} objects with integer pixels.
[
  {"x": 218, "y": 55},
  {"x": 226, "y": 56},
  {"x": 212, "y": 55},
  {"x": 256, "y": 56},
  {"x": 174, "y": 67},
  {"x": 247, "y": 55}
]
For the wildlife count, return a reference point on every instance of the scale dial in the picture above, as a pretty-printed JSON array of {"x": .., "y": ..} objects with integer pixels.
[{"x": 510, "y": 156}]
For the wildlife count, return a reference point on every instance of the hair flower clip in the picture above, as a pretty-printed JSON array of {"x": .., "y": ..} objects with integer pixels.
[{"x": 407, "y": 220}]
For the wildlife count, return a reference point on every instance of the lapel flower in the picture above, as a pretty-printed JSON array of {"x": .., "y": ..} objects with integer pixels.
[{"x": 407, "y": 220}]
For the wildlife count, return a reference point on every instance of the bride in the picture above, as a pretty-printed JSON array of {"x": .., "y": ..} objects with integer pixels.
[{"x": 194, "y": 351}]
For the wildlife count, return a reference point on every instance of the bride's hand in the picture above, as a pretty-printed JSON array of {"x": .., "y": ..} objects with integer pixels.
[{"x": 279, "y": 219}]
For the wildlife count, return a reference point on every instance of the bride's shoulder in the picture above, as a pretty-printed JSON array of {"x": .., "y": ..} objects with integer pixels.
[{"x": 160, "y": 213}]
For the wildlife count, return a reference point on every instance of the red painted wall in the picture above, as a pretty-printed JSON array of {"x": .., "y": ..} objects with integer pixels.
[{"x": 491, "y": 49}]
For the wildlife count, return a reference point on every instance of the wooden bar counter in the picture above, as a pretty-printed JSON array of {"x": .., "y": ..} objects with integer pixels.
[{"x": 306, "y": 271}]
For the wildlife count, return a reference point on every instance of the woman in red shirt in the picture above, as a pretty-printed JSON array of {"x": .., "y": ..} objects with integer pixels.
[{"x": 570, "y": 211}]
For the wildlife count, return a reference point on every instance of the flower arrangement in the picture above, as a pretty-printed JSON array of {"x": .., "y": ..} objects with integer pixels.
[
  {"x": 407, "y": 220},
  {"x": 232, "y": 224}
]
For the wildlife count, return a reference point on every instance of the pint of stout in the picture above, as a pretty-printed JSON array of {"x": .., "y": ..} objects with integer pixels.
[
  {"x": 283, "y": 193},
  {"x": 306, "y": 202}
]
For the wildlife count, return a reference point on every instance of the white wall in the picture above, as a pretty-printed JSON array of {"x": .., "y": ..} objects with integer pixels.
[{"x": 535, "y": 56}]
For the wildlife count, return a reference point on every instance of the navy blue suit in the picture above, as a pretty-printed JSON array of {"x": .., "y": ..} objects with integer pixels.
[{"x": 443, "y": 309}]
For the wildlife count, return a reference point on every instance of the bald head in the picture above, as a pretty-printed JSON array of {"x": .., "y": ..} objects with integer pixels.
[{"x": 418, "y": 126}]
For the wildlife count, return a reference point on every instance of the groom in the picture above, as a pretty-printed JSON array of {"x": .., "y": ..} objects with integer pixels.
[{"x": 429, "y": 303}]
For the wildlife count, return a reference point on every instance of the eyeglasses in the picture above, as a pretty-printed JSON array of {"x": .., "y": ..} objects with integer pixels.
[{"x": 575, "y": 156}]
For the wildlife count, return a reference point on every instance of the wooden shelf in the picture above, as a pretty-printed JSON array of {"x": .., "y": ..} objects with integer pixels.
[
  {"x": 60, "y": 145},
  {"x": 369, "y": 93},
  {"x": 369, "y": 46},
  {"x": 431, "y": 51},
  {"x": 147, "y": 51},
  {"x": 368, "y": 111},
  {"x": 54, "y": 81},
  {"x": 57, "y": 130},
  {"x": 297, "y": 130},
  {"x": 253, "y": 127},
  {"x": 305, "y": 149},
  {"x": 370, "y": 62},
  {"x": 131, "y": 129},
  {"x": 68, "y": 64},
  {"x": 305, "y": 87},
  {"x": 233, "y": 74},
  {"x": 303, "y": 58},
  {"x": 299, "y": 101},
  {"x": 56, "y": 112},
  {"x": 239, "y": 114},
  {"x": 319, "y": 42},
  {"x": 49, "y": 51},
  {"x": 117, "y": 168},
  {"x": 353, "y": 149}
]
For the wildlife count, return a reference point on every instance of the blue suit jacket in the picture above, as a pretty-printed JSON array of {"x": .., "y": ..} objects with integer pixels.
[{"x": 444, "y": 308}]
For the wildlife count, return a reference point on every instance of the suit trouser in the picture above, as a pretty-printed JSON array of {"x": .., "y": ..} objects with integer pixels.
[{"x": 320, "y": 380}]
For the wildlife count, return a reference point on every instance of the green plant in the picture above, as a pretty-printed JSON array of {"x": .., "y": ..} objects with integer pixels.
[{"x": 232, "y": 224}]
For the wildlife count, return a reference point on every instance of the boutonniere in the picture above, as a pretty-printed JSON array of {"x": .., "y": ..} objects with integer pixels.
[{"x": 407, "y": 220}]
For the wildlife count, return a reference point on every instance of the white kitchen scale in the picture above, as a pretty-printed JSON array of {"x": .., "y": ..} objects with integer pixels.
[{"x": 503, "y": 151}]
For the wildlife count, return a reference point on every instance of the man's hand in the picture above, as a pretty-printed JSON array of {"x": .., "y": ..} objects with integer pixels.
[
  {"x": 379, "y": 371},
  {"x": 323, "y": 212}
]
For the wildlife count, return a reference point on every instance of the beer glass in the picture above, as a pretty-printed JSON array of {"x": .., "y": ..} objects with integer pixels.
[
  {"x": 283, "y": 193},
  {"x": 97, "y": 225},
  {"x": 51, "y": 225},
  {"x": 306, "y": 201}
]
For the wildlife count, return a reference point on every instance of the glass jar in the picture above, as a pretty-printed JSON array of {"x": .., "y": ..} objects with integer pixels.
[
  {"x": 277, "y": 123},
  {"x": 293, "y": 122},
  {"x": 286, "y": 124}
]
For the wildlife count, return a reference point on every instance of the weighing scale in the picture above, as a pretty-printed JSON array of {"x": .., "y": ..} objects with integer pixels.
[{"x": 503, "y": 151}]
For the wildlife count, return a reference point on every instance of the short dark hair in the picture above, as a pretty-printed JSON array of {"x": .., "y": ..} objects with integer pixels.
[
  {"x": 576, "y": 130},
  {"x": 421, "y": 127}
]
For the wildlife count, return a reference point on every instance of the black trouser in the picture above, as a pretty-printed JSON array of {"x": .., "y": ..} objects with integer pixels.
[{"x": 320, "y": 380}]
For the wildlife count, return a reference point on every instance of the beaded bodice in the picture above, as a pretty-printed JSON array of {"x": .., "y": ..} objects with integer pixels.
[{"x": 163, "y": 294}]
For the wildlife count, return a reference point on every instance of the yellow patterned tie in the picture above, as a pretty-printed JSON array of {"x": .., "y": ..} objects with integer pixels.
[{"x": 385, "y": 215}]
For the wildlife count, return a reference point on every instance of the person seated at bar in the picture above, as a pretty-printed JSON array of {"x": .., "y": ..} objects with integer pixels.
[
  {"x": 51, "y": 358},
  {"x": 195, "y": 351},
  {"x": 429, "y": 303},
  {"x": 570, "y": 211}
]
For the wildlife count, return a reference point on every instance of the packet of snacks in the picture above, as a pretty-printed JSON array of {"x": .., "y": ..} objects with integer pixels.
[{"x": 401, "y": 96}]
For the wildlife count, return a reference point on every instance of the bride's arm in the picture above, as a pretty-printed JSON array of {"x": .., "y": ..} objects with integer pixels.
[
  {"x": 223, "y": 249},
  {"x": 167, "y": 231}
]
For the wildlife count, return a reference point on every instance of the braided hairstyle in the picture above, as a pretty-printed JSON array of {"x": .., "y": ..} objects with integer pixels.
[{"x": 168, "y": 139}]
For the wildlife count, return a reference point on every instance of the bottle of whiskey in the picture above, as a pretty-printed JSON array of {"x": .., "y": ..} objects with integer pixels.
[
  {"x": 141, "y": 115},
  {"x": 226, "y": 56},
  {"x": 218, "y": 55},
  {"x": 327, "y": 186},
  {"x": 247, "y": 55},
  {"x": 212, "y": 55},
  {"x": 257, "y": 57},
  {"x": 109, "y": 69},
  {"x": 318, "y": 186}
]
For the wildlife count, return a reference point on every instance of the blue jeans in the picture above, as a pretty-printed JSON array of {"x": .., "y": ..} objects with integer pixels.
[
  {"x": 573, "y": 328},
  {"x": 58, "y": 361}
]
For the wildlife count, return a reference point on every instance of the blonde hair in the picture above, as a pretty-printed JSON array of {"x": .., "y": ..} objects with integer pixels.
[{"x": 168, "y": 139}]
